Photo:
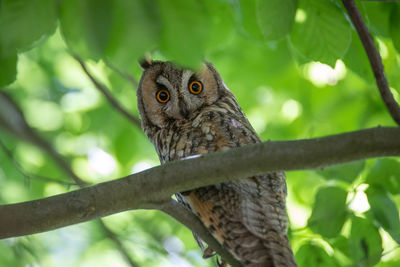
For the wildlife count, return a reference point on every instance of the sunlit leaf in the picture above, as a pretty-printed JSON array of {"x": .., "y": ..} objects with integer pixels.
[
  {"x": 24, "y": 22},
  {"x": 275, "y": 17},
  {"x": 394, "y": 26},
  {"x": 221, "y": 17},
  {"x": 345, "y": 172},
  {"x": 386, "y": 173},
  {"x": 324, "y": 35},
  {"x": 356, "y": 59},
  {"x": 185, "y": 30},
  {"x": 329, "y": 211},
  {"x": 385, "y": 211},
  {"x": 86, "y": 26},
  {"x": 376, "y": 16},
  {"x": 279, "y": 97},
  {"x": 341, "y": 243},
  {"x": 8, "y": 67},
  {"x": 135, "y": 30},
  {"x": 247, "y": 14},
  {"x": 365, "y": 242},
  {"x": 313, "y": 255},
  {"x": 7, "y": 257}
]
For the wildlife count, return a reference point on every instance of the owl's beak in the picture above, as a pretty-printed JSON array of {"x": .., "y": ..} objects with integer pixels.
[{"x": 183, "y": 109}]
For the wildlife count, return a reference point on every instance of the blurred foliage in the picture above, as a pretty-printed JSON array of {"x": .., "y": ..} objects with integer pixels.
[{"x": 297, "y": 68}]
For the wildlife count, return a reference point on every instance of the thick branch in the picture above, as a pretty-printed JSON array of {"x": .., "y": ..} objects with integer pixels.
[
  {"x": 374, "y": 59},
  {"x": 152, "y": 188},
  {"x": 108, "y": 96},
  {"x": 12, "y": 119}
]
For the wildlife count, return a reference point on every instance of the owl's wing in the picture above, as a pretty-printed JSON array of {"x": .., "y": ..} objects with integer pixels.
[
  {"x": 247, "y": 216},
  {"x": 245, "y": 224},
  {"x": 263, "y": 213}
]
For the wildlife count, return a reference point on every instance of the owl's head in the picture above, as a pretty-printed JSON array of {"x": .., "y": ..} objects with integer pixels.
[{"x": 168, "y": 93}]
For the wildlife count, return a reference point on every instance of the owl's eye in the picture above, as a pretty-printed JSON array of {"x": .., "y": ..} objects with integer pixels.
[
  {"x": 195, "y": 87},
  {"x": 162, "y": 96}
]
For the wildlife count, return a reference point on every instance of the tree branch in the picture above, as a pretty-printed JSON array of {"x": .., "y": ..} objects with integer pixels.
[
  {"x": 152, "y": 188},
  {"x": 9, "y": 154},
  {"x": 374, "y": 59},
  {"x": 12, "y": 119},
  {"x": 108, "y": 96},
  {"x": 172, "y": 208},
  {"x": 191, "y": 221},
  {"x": 124, "y": 75},
  {"x": 114, "y": 237}
]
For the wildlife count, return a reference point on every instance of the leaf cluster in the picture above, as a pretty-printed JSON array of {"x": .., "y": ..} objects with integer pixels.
[{"x": 297, "y": 67}]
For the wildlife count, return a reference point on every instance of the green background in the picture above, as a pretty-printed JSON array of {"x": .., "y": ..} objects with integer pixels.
[{"x": 297, "y": 68}]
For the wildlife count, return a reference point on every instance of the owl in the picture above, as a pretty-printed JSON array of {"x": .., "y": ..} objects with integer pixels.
[{"x": 186, "y": 113}]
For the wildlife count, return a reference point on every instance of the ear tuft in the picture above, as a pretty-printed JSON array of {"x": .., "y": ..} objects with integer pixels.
[{"x": 145, "y": 62}]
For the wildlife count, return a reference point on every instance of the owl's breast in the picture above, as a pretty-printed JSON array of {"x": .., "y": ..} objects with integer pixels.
[{"x": 211, "y": 130}]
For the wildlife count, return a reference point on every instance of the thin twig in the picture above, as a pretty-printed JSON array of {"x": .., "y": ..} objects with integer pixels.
[
  {"x": 187, "y": 218},
  {"x": 124, "y": 75},
  {"x": 12, "y": 119},
  {"x": 26, "y": 174},
  {"x": 107, "y": 95},
  {"x": 31, "y": 135},
  {"x": 113, "y": 236},
  {"x": 374, "y": 59}
]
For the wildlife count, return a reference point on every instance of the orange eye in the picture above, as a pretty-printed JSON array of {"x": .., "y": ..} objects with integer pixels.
[
  {"x": 162, "y": 96},
  {"x": 195, "y": 87}
]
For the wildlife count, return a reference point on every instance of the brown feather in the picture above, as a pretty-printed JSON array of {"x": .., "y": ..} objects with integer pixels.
[{"x": 247, "y": 216}]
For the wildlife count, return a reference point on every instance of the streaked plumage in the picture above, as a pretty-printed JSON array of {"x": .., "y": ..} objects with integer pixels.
[{"x": 247, "y": 216}]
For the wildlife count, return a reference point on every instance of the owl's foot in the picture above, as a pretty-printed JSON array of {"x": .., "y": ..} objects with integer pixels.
[
  {"x": 208, "y": 252},
  {"x": 222, "y": 263}
]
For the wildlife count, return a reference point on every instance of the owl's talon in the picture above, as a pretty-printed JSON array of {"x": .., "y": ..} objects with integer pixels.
[
  {"x": 208, "y": 252},
  {"x": 223, "y": 263}
]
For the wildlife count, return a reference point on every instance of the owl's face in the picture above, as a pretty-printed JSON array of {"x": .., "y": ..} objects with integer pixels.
[{"x": 167, "y": 93}]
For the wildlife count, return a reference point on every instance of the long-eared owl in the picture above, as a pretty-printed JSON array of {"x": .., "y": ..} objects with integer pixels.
[{"x": 185, "y": 113}]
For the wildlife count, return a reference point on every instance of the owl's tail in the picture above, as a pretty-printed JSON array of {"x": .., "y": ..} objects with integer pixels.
[{"x": 274, "y": 251}]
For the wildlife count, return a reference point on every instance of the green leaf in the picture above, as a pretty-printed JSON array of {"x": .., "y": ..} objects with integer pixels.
[
  {"x": 394, "y": 27},
  {"x": 275, "y": 17},
  {"x": 8, "y": 67},
  {"x": 385, "y": 211},
  {"x": 7, "y": 257},
  {"x": 341, "y": 243},
  {"x": 356, "y": 59},
  {"x": 376, "y": 17},
  {"x": 246, "y": 10},
  {"x": 313, "y": 255},
  {"x": 346, "y": 172},
  {"x": 324, "y": 35},
  {"x": 222, "y": 19},
  {"x": 386, "y": 173},
  {"x": 365, "y": 242},
  {"x": 135, "y": 30},
  {"x": 86, "y": 26},
  {"x": 329, "y": 212},
  {"x": 24, "y": 22},
  {"x": 184, "y": 32},
  {"x": 341, "y": 252}
]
